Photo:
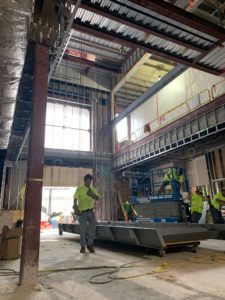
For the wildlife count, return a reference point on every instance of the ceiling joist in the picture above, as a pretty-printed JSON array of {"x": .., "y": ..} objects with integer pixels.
[
  {"x": 184, "y": 17},
  {"x": 133, "y": 43}
]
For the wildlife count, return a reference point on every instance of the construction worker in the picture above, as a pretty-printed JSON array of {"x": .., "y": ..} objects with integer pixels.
[
  {"x": 215, "y": 208},
  {"x": 174, "y": 176},
  {"x": 83, "y": 207},
  {"x": 196, "y": 206},
  {"x": 128, "y": 208}
]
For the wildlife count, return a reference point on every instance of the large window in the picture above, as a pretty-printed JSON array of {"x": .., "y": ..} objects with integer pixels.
[
  {"x": 67, "y": 127},
  {"x": 122, "y": 131}
]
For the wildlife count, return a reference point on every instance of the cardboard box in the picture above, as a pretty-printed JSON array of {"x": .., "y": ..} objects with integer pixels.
[{"x": 10, "y": 247}]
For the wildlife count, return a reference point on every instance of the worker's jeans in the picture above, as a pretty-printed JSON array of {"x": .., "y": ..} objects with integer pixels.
[
  {"x": 87, "y": 228},
  {"x": 216, "y": 215}
]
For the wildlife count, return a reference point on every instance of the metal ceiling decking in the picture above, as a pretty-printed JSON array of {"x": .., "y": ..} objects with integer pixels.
[
  {"x": 111, "y": 30},
  {"x": 144, "y": 77},
  {"x": 180, "y": 39}
]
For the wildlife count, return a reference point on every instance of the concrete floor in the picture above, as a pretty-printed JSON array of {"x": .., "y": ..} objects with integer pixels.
[{"x": 178, "y": 275}]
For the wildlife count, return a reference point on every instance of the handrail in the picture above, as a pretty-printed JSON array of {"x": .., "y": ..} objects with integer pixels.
[{"x": 161, "y": 119}]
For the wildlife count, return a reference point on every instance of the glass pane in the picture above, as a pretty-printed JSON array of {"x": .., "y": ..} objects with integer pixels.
[
  {"x": 68, "y": 118},
  {"x": 76, "y": 118},
  {"x": 76, "y": 139},
  {"x": 58, "y": 138},
  {"x": 50, "y": 114},
  {"x": 58, "y": 115},
  {"x": 48, "y": 136},
  {"x": 122, "y": 130},
  {"x": 85, "y": 141},
  {"x": 85, "y": 119},
  {"x": 68, "y": 139}
]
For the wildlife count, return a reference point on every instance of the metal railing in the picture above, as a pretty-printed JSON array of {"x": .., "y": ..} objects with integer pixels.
[{"x": 170, "y": 116}]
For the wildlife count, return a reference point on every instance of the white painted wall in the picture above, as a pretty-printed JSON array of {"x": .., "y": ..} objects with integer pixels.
[
  {"x": 144, "y": 114},
  {"x": 64, "y": 176},
  {"x": 197, "y": 172},
  {"x": 193, "y": 86}
]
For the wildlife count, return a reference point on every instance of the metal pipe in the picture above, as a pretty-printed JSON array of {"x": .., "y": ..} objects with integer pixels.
[
  {"x": 22, "y": 145},
  {"x": 219, "y": 179}
]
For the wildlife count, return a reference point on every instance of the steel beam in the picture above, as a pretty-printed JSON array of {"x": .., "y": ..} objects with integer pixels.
[
  {"x": 175, "y": 13},
  {"x": 129, "y": 42},
  {"x": 65, "y": 41},
  {"x": 32, "y": 212},
  {"x": 152, "y": 91},
  {"x": 89, "y": 63},
  {"x": 105, "y": 12}
]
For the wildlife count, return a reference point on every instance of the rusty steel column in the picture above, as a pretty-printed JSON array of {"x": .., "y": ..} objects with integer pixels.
[{"x": 33, "y": 198}]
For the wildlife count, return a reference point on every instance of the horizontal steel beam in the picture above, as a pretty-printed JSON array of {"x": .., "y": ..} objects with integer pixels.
[
  {"x": 89, "y": 63},
  {"x": 186, "y": 18},
  {"x": 124, "y": 40},
  {"x": 105, "y": 12},
  {"x": 152, "y": 91}
]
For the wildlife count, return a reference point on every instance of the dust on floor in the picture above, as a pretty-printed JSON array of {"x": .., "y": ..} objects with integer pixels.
[{"x": 134, "y": 274}]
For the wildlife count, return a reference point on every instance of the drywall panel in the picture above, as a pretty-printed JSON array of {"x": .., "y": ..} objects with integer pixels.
[
  {"x": 193, "y": 86},
  {"x": 144, "y": 114},
  {"x": 63, "y": 176},
  {"x": 197, "y": 172}
]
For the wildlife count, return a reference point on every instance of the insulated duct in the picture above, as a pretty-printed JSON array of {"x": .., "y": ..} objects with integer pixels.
[{"x": 14, "y": 21}]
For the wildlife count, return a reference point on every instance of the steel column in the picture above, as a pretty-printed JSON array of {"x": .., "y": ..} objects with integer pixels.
[{"x": 32, "y": 213}]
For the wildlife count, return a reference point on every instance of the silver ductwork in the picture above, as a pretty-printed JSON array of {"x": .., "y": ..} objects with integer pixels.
[{"x": 14, "y": 21}]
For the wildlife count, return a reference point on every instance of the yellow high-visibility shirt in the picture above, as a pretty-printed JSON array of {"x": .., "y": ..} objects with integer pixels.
[
  {"x": 215, "y": 203},
  {"x": 84, "y": 201},
  {"x": 172, "y": 174},
  {"x": 196, "y": 203}
]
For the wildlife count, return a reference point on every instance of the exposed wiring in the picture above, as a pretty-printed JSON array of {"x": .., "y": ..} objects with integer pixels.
[
  {"x": 112, "y": 274},
  {"x": 8, "y": 272}
]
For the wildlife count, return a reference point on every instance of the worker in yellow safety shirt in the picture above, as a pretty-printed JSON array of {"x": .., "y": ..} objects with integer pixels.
[
  {"x": 215, "y": 208},
  {"x": 84, "y": 208},
  {"x": 176, "y": 176},
  {"x": 196, "y": 206}
]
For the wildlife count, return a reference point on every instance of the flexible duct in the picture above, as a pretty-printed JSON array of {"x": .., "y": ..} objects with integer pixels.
[{"x": 14, "y": 21}]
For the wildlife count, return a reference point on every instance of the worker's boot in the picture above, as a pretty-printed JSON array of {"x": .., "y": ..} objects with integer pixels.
[
  {"x": 91, "y": 249},
  {"x": 82, "y": 250}
]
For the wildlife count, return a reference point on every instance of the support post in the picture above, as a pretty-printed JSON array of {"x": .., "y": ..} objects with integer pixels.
[{"x": 32, "y": 212}]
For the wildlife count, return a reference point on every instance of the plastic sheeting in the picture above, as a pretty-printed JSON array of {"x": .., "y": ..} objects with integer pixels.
[{"x": 14, "y": 20}]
